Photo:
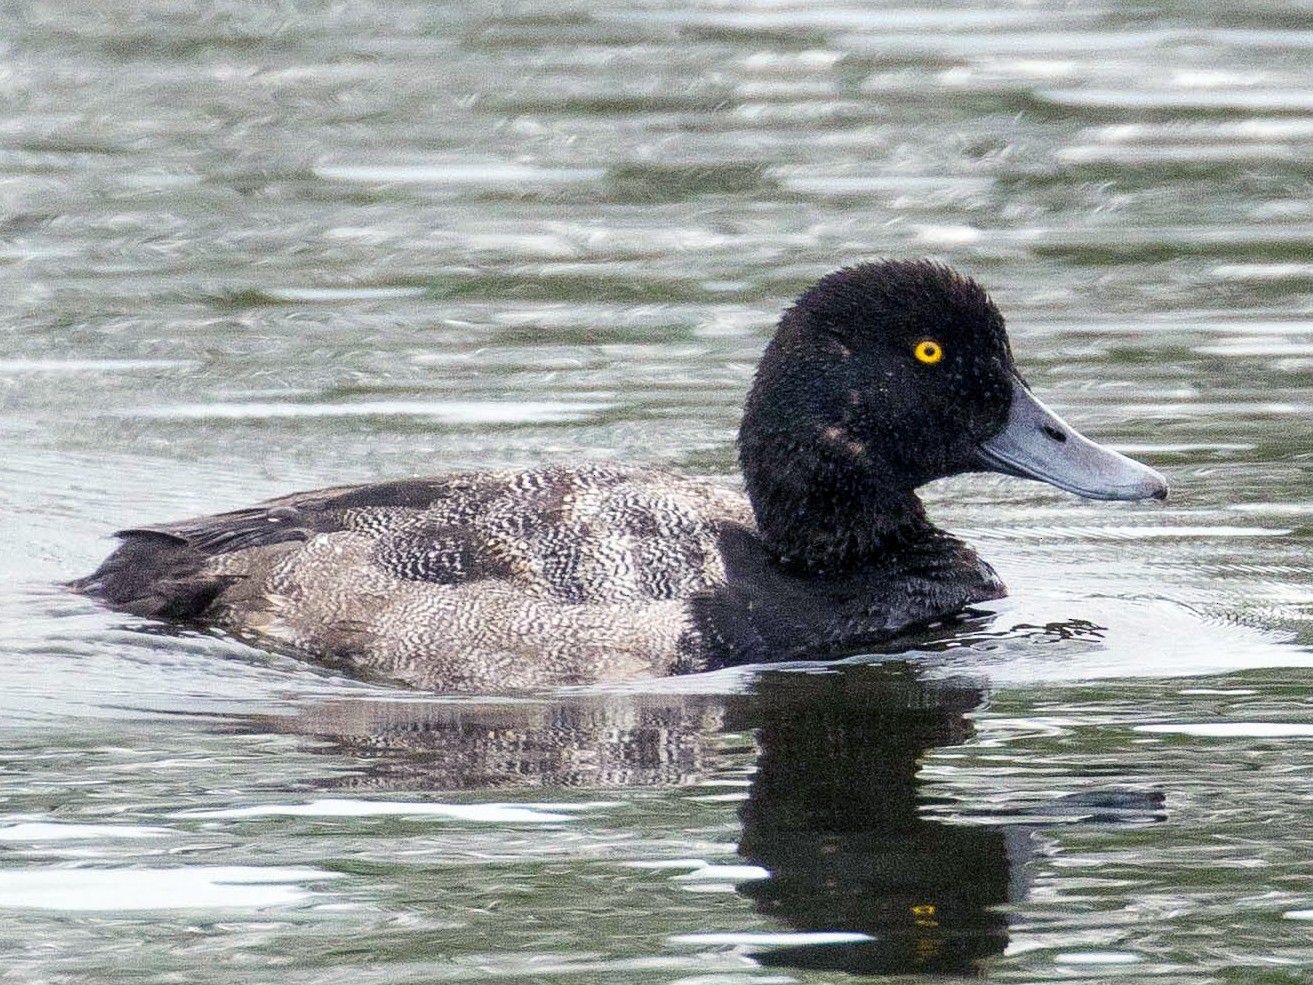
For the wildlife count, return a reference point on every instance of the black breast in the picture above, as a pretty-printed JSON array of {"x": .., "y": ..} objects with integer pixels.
[{"x": 767, "y": 611}]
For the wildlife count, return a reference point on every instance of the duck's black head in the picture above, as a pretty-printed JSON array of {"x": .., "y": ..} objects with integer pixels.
[{"x": 885, "y": 376}]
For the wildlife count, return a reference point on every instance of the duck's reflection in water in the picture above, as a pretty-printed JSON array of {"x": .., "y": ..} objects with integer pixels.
[
  {"x": 575, "y": 741},
  {"x": 832, "y": 810},
  {"x": 833, "y": 815}
]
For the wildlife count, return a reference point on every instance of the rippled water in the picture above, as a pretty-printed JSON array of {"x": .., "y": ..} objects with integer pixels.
[{"x": 263, "y": 248}]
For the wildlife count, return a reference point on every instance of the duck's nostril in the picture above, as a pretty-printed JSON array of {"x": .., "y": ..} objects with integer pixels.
[{"x": 1054, "y": 433}]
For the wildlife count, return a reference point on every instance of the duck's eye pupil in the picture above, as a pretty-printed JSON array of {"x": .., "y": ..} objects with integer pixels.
[{"x": 929, "y": 351}]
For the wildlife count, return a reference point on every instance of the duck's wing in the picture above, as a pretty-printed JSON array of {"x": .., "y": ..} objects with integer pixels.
[
  {"x": 301, "y": 515},
  {"x": 174, "y": 570}
]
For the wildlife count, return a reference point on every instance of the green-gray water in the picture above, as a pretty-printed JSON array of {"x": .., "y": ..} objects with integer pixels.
[{"x": 254, "y": 248}]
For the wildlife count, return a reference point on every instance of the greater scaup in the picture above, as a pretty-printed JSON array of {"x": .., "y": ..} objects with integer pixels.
[{"x": 880, "y": 378}]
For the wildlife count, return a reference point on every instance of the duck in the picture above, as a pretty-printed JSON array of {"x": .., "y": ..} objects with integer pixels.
[{"x": 881, "y": 377}]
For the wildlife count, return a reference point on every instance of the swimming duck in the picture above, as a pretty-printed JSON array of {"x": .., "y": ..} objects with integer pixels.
[{"x": 880, "y": 378}]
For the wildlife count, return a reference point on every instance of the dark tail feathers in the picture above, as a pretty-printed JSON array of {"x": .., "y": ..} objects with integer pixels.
[{"x": 153, "y": 574}]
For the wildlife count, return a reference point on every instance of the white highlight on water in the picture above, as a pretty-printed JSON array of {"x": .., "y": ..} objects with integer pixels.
[
  {"x": 45, "y": 831},
  {"x": 1233, "y": 730},
  {"x": 120, "y": 889},
  {"x": 484, "y": 813}
]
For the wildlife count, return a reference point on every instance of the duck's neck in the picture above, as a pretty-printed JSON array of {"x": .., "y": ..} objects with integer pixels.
[{"x": 823, "y": 509}]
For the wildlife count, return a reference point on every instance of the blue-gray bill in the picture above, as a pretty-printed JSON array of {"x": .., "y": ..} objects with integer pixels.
[{"x": 1038, "y": 444}]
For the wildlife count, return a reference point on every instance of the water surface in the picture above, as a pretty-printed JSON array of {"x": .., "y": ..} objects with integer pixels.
[{"x": 267, "y": 249}]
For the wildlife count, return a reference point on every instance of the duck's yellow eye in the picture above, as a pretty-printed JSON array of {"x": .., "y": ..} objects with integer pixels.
[{"x": 928, "y": 351}]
